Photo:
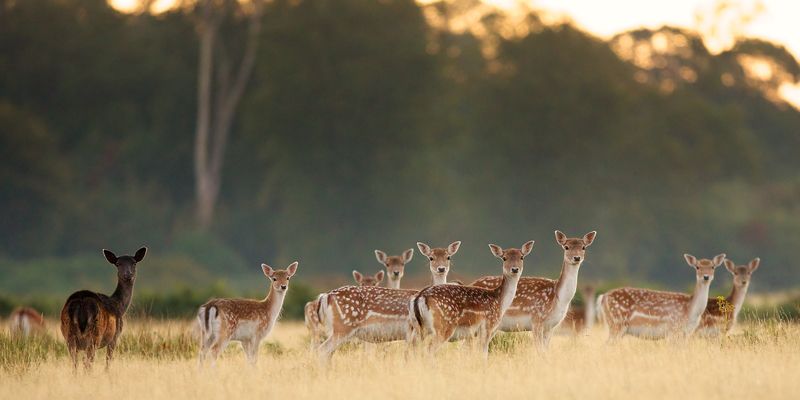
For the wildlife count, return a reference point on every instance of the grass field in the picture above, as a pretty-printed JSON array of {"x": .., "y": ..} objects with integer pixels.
[{"x": 156, "y": 361}]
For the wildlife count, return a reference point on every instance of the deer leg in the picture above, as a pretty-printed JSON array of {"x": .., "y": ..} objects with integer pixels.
[
  {"x": 216, "y": 349},
  {"x": 251, "y": 351},
  {"x": 73, "y": 353},
  {"x": 331, "y": 344},
  {"x": 615, "y": 332},
  {"x": 89, "y": 360},
  {"x": 110, "y": 353}
]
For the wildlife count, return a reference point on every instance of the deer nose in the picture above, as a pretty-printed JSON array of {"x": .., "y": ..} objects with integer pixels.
[
  {"x": 441, "y": 269},
  {"x": 744, "y": 282},
  {"x": 283, "y": 287},
  {"x": 514, "y": 270},
  {"x": 396, "y": 273},
  {"x": 705, "y": 277},
  {"x": 576, "y": 259}
]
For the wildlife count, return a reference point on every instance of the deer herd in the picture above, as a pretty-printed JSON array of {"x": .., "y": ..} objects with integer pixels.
[{"x": 426, "y": 318}]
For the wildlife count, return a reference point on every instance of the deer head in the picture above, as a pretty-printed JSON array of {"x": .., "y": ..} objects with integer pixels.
[
  {"x": 704, "y": 268},
  {"x": 439, "y": 257},
  {"x": 512, "y": 258},
  {"x": 280, "y": 277},
  {"x": 368, "y": 280},
  {"x": 395, "y": 265},
  {"x": 588, "y": 292},
  {"x": 126, "y": 265},
  {"x": 742, "y": 273},
  {"x": 575, "y": 248}
]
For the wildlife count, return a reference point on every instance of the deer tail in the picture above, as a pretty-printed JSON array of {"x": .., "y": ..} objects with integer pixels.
[
  {"x": 83, "y": 313},
  {"x": 325, "y": 312}
]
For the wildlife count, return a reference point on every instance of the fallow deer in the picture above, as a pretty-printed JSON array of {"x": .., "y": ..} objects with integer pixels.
[
  {"x": 581, "y": 318},
  {"x": 243, "y": 320},
  {"x": 376, "y": 314},
  {"x": 655, "y": 314},
  {"x": 395, "y": 266},
  {"x": 540, "y": 303},
  {"x": 25, "y": 321},
  {"x": 90, "y": 320},
  {"x": 443, "y": 311},
  {"x": 719, "y": 319},
  {"x": 313, "y": 322}
]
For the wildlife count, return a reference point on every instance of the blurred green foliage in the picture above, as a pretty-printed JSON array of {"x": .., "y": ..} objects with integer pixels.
[{"x": 366, "y": 125}]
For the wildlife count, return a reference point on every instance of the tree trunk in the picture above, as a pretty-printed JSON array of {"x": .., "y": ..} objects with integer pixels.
[{"x": 216, "y": 109}]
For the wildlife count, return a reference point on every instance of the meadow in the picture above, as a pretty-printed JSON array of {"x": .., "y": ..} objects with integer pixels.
[{"x": 156, "y": 360}]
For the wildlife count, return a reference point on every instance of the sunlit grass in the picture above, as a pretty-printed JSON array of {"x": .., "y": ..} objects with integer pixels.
[{"x": 157, "y": 360}]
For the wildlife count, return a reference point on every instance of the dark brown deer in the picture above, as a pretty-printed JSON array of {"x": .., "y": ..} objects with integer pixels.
[{"x": 90, "y": 320}]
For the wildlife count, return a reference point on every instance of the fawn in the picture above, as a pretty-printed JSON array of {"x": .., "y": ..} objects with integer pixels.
[
  {"x": 443, "y": 311},
  {"x": 90, "y": 320},
  {"x": 26, "y": 321},
  {"x": 395, "y": 265},
  {"x": 540, "y": 303},
  {"x": 375, "y": 314},
  {"x": 656, "y": 314},
  {"x": 243, "y": 320},
  {"x": 581, "y": 318},
  {"x": 311, "y": 310},
  {"x": 719, "y": 320}
]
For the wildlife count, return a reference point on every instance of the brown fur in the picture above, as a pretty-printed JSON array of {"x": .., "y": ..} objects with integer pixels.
[
  {"x": 714, "y": 321},
  {"x": 26, "y": 321},
  {"x": 91, "y": 321}
]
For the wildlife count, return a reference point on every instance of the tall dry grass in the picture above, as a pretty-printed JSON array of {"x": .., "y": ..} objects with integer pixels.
[{"x": 156, "y": 361}]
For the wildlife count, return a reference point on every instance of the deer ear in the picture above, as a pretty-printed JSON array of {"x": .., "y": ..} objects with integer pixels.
[
  {"x": 424, "y": 248},
  {"x": 407, "y": 256},
  {"x": 589, "y": 238},
  {"x": 690, "y": 259},
  {"x": 139, "y": 256},
  {"x": 496, "y": 250},
  {"x": 453, "y": 247},
  {"x": 527, "y": 247},
  {"x": 357, "y": 276},
  {"x": 730, "y": 266},
  {"x": 753, "y": 264},
  {"x": 268, "y": 271},
  {"x": 292, "y": 268},
  {"x": 110, "y": 256},
  {"x": 380, "y": 256},
  {"x": 560, "y": 237},
  {"x": 379, "y": 276},
  {"x": 718, "y": 259}
]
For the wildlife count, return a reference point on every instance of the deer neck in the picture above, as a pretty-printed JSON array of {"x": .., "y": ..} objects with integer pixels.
[
  {"x": 393, "y": 283},
  {"x": 566, "y": 286},
  {"x": 589, "y": 311},
  {"x": 122, "y": 296},
  {"x": 437, "y": 279},
  {"x": 697, "y": 304},
  {"x": 737, "y": 299},
  {"x": 506, "y": 292},
  {"x": 272, "y": 304}
]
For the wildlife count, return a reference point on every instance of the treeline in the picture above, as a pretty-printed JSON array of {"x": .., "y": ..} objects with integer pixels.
[{"x": 373, "y": 125}]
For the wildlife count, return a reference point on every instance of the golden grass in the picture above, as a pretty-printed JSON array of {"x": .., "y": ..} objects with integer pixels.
[{"x": 157, "y": 362}]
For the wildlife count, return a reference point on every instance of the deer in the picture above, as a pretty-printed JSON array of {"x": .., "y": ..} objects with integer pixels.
[
  {"x": 444, "y": 311},
  {"x": 719, "y": 317},
  {"x": 26, "y": 321},
  {"x": 541, "y": 304},
  {"x": 376, "y": 314},
  {"x": 395, "y": 266},
  {"x": 91, "y": 320},
  {"x": 657, "y": 314},
  {"x": 581, "y": 318},
  {"x": 311, "y": 311},
  {"x": 243, "y": 320}
]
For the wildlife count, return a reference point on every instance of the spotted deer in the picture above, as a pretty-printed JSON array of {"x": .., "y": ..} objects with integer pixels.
[
  {"x": 313, "y": 322},
  {"x": 26, "y": 321},
  {"x": 656, "y": 314},
  {"x": 720, "y": 316},
  {"x": 376, "y": 314},
  {"x": 395, "y": 266},
  {"x": 541, "y": 304},
  {"x": 444, "y": 311},
  {"x": 581, "y": 318},
  {"x": 90, "y": 320},
  {"x": 243, "y": 320}
]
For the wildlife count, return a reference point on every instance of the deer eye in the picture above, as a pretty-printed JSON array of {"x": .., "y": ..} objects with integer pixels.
[
  {"x": 521, "y": 257},
  {"x": 583, "y": 248},
  {"x": 566, "y": 247},
  {"x": 274, "y": 279},
  {"x": 430, "y": 258},
  {"x": 448, "y": 257},
  {"x": 505, "y": 258}
]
